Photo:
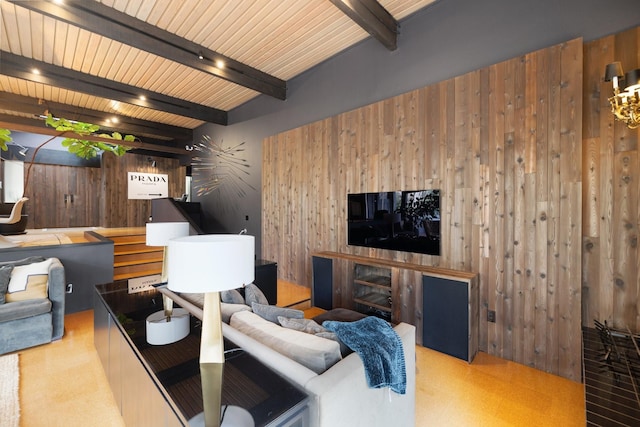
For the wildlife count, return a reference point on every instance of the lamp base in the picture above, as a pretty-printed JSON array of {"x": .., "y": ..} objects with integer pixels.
[
  {"x": 161, "y": 332},
  {"x": 231, "y": 416}
]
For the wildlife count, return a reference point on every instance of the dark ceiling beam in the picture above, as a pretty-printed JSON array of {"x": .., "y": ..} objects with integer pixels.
[
  {"x": 373, "y": 18},
  {"x": 125, "y": 125},
  {"x": 22, "y": 68},
  {"x": 23, "y": 124},
  {"x": 113, "y": 24}
]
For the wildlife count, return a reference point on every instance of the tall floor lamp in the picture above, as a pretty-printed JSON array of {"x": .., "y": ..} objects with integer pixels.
[{"x": 209, "y": 264}]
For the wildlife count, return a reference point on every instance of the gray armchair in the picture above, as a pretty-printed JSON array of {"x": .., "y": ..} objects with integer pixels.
[{"x": 36, "y": 321}]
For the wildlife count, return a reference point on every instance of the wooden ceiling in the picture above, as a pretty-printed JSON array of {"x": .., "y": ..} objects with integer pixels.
[{"x": 164, "y": 67}]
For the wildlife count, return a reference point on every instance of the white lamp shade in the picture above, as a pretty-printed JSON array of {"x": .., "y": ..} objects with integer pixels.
[
  {"x": 159, "y": 233},
  {"x": 211, "y": 262}
]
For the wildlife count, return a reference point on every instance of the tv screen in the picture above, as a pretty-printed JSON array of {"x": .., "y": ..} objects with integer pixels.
[{"x": 397, "y": 220}]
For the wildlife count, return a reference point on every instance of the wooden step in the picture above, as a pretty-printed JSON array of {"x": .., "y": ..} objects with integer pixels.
[
  {"x": 133, "y": 275},
  {"x": 131, "y": 262},
  {"x": 140, "y": 269},
  {"x": 151, "y": 255},
  {"x": 124, "y": 240},
  {"x": 131, "y": 256},
  {"x": 132, "y": 248},
  {"x": 110, "y": 233}
]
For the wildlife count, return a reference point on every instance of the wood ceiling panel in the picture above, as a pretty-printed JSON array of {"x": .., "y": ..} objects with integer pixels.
[
  {"x": 282, "y": 39},
  {"x": 62, "y": 96},
  {"x": 9, "y": 26}
]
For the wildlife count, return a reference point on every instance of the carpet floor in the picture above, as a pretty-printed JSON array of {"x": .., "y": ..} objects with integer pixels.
[{"x": 9, "y": 383}]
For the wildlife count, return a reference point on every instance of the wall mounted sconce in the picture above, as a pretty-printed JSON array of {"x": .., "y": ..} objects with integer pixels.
[
  {"x": 625, "y": 106},
  {"x": 23, "y": 150},
  {"x": 151, "y": 162}
]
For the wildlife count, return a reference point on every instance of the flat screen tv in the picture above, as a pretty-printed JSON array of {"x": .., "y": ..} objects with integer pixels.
[{"x": 406, "y": 221}]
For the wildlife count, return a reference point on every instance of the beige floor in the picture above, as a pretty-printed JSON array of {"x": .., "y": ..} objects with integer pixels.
[{"x": 63, "y": 384}]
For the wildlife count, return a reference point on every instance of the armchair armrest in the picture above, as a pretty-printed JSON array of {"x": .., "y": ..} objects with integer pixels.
[{"x": 57, "y": 290}]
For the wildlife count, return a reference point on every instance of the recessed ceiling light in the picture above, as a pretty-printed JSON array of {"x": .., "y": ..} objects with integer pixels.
[
  {"x": 114, "y": 120},
  {"x": 220, "y": 64},
  {"x": 35, "y": 71},
  {"x": 142, "y": 98},
  {"x": 115, "y": 105},
  {"x": 200, "y": 55}
]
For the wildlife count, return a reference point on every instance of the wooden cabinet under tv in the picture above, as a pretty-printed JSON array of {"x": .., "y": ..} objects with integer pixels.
[{"x": 399, "y": 292}]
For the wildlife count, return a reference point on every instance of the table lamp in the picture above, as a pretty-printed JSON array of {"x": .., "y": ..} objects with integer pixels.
[
  {"x": 159, "y": 234},
  {"x": 208, "y": 264},
  {"x": 159, "y": 326}
]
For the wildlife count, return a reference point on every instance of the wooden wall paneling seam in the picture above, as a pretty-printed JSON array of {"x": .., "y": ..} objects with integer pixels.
[
  {"x": 597, "y": 129},
  {"x": 458, "y": 169},
  {"x": 625, "y": 228},
  {"x": 519, "y": 161},
  {"x": 592, "y": 95},
  {"x": 498, "y": 279},
  {"x": 554, "y": 218},
  {"x": 508, "y": 295},
  {"x": 570, "y": 331},
  {"x": 541, "y": 278},
  {"x": 527, "y": 195}
]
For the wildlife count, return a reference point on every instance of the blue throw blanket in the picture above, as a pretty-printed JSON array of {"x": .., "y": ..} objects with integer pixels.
[{"x": 379, "y": 347}]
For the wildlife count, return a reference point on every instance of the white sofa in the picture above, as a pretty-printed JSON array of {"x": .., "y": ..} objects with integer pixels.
[{"x": 340, "y": 395}]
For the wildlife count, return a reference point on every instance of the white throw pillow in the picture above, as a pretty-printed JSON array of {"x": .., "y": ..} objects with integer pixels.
[{"x": 29, "y": 281}]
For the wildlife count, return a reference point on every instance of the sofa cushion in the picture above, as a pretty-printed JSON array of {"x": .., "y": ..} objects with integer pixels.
[
  {"x": 29, "y": 281},
  {"x": 344, "y": 349},
  {"x": 310, "y": 326},
  {"x": 271, "y": 312},
  {"x": 5, "y": 276},
  {"x": 23, "y": 309},
  {"x": 307, "y": 326},
  {"x": 252, "y": 293},
  {"x": 228, "y": 310},
  {"x": 231, "y": 296},
  {"x": 317, "y": 354}
]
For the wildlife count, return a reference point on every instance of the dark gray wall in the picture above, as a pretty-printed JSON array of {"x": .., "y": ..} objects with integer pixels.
[
  {"x": 85, "y": 265},
  {"x": 447, "y": 39}
]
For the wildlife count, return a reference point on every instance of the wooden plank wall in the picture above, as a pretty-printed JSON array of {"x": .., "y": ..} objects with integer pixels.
[
  {"x": 502, "y": 144},
  {"x": 117, "y": 210},
  {"x": 611, "y": 194},
  {"x": 100, "y": 194},
  {"x": 63, "y": 196}
]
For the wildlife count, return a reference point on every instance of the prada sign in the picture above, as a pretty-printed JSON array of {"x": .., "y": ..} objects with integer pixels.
[{"x": 147, "y": 186}]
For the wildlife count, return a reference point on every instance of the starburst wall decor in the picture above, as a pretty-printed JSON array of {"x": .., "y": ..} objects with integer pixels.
[{"x": 218, "y": 168}]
